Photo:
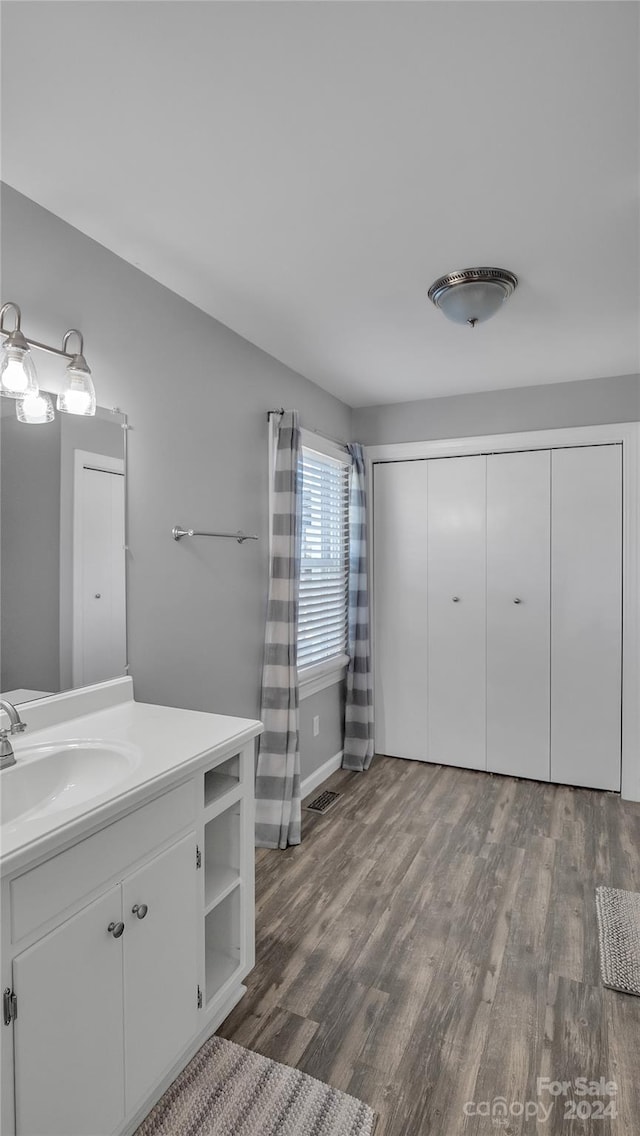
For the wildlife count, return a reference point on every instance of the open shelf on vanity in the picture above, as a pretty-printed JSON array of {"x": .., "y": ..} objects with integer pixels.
[
  {"x": 226, "y": 842},
  {"x": 222, "y": 936},
  {"x": 220, "y": 780},
  {"x": 221, "y": 856}
]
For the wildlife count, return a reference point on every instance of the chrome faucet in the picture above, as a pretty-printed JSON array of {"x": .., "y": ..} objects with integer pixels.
[{"x": 16, "y": 726}]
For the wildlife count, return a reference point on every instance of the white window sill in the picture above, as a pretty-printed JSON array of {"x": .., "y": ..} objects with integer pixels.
[{"x": 318, "y": 677}]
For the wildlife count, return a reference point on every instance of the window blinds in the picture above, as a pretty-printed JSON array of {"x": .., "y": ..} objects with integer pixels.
[{"x": 322, "y": 628}]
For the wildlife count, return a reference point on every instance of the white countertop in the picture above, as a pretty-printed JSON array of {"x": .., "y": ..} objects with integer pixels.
[{"x": 166, "y": 744}]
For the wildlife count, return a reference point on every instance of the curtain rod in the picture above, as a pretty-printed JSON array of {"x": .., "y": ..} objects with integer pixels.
[{"x": 320, "y": 433}]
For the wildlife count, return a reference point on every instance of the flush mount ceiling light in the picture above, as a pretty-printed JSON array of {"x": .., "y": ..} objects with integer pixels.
[
  {"x": 472, "y": 295},
  {"x": 18, "y": 373}
]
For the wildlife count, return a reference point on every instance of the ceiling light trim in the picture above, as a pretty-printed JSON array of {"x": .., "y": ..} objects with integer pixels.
[{"x": 445, "y": 287}]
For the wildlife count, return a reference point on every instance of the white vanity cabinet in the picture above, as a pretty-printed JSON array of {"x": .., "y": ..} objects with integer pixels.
[
  {"x": 94, "y": 1003},
  {"x": 160, "y": 965},
  {"x": 68, "y": 1036},
  {"x": 124, "y": 950}
]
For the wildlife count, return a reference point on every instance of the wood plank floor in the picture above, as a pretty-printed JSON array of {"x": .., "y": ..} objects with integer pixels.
[{"x": 433, "y": 942}]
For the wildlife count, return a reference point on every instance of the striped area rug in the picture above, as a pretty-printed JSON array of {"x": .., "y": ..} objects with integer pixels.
[
  {"x": 226, "y": 1090},
  {"x": 619, "y": 934}
]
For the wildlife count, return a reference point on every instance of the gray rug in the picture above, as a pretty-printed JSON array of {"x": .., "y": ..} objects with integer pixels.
[
  {"x": 226, "y": 1090},
  {"x": 619, "y": 935}
]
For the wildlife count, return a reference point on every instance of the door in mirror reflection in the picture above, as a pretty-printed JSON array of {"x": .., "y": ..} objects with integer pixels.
[{"x": 99, "y": 625}]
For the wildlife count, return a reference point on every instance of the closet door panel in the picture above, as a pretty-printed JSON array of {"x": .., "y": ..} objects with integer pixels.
[
  {"x": 518, "y": 613},
  {"x": 586, "y": 625},
  {"x": 456, "y": 591},
  {"x": 400, "y": 627}
]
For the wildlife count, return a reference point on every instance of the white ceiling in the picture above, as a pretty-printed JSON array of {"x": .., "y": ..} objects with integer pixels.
[{"x": 304, "y": 171}]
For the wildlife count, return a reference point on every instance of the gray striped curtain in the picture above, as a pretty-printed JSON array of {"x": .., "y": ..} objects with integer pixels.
[
  {"x": 358, "y": 730},
  {"x": 278, "y": 807}
]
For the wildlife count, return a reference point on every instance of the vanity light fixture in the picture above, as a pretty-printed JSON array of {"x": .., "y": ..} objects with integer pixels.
[
  {"x": 34, "y": 409},
  {"x": 17, "y": 368},
  {"x": 78, "y": 395},
  {"x": 472, "y": 295},
  {"x": 18, "y": 374}
]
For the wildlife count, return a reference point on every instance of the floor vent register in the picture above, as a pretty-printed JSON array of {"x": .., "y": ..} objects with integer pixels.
[{"x": 323, "y": 802}]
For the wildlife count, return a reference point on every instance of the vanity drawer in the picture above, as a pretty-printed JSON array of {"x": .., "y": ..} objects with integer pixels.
[{"x": 54, "y": 886}]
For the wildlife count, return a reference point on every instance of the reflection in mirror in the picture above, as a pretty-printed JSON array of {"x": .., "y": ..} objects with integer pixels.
[{"x": 62, "y": 544}]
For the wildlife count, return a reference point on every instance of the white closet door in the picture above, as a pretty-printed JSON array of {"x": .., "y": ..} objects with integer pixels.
[
  {"x": 400, "y": 628},
  {"x": 456, "y": 589},
  {"x": 518, "y": 613},
  {"x": 586, "y": 626}
]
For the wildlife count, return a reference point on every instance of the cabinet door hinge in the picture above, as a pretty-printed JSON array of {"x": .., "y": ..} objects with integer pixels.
[
  {"x": 198, "y": 857},
  {"x": 9, "y": 1006},
  {"x": 199, "y": 998}
]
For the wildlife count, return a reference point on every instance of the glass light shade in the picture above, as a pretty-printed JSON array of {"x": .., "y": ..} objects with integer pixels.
[
  {"x": 35, "y": 409},
  {"x": 472, "y": 295},
  {"x": 477, "y": 301},
  {"x": 17, "y": 372},
  {"x": 78, "y": 395}
]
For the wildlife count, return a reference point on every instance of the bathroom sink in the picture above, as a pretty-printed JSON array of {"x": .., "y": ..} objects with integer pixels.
[{"x": 52, "y": 778}]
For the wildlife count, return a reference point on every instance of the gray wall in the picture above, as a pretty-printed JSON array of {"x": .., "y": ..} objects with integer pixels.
[
  {"x": 30, "y": 561},
  {"x": 314, "y": 751},
  {"x": 501, "y": 412},
  {"x": 197, "y": 396}
]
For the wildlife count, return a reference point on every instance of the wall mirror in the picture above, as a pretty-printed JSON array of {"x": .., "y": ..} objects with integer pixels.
[{"x": 62, "y": 552}]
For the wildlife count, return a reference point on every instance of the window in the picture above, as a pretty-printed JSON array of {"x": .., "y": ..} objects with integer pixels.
[{"x": 324, "y": 569}]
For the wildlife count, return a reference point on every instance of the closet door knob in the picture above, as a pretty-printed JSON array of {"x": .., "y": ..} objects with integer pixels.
[
  {"x": 456, "y": 599},
  {"x": 139, "y": 909},
  {"x": 517, "y": 600},
  {"x": 116, "y": 929}
]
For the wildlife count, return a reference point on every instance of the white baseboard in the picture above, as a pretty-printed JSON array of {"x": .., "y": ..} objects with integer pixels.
[{"x": 319, "y": 775}]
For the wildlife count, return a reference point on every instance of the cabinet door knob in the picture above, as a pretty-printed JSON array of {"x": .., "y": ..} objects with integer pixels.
[
  {"x": 139, "y": 909},
  {"x": 116, "y": 929},
  {"x": 456, "y": 599},
  {"x": 517, "y": 600}
]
